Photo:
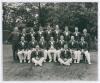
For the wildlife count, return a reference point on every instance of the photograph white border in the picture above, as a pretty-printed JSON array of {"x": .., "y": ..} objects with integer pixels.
[{"x": 1, "y": 43}]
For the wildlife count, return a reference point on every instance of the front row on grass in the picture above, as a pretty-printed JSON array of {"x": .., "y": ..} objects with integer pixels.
[{"x": 66, "y": 53}]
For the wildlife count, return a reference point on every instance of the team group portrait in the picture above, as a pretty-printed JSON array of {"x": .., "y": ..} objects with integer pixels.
[{"x": 45, "y": 41}]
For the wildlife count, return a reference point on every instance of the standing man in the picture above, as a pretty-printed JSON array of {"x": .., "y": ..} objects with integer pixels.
[
  {"x": 48, "y": 33},
  {"x": 57, "y": 33},
  {"x": 31, "y": 34},
  {"x": 86, "y": 37},
  {"x": 14, "y": 37},
  {"x": 24, "y": 34},
  {"x": 83, "y": 45},
  {"x": 76, "y": 34},
  {"x": 40, "y": 33},
  {"x": 67, "y": 34}
]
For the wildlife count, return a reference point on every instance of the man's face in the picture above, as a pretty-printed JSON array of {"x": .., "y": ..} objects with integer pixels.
[
  {"x": 76, "y": 29},
  {"x": 37, "y": 47},
  {"x": 66, "y": 28},
  {"x": 41, "y": 29},
  {"x": 61, "y": 37},
  {"x": 82, "y": 38},
  {"x": 16, "y": 29},
  {"x": 22, "y": 38},
  {"x": 84, "y": 31},
  {"x": 51, "y": 38},
  {"x": 32, "y": 30},
  {"x": 48, "y": 28},
  {"x": 57, "y": 27},
  {"x": 24, "y": 30},
  {"x": 65, "y": 47},
  {"x": 42, "y": 38},
  {"x": 72, "y": 37},
  {"x": 33, "y": 38}
]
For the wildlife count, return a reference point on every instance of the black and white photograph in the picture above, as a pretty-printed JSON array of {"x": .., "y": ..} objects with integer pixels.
[{"x": 50, "y": 41}]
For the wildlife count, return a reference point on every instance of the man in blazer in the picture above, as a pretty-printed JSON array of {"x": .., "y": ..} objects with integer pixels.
[
  {"x": 31, "y": 46},
  {"x": 31, "y": 34},
  {"x": 22, "y": 50},
  {"x": 14, "y": 38},
  {"x": 43, "y": 46},
  {"x": 37, "y": 56},
  {"x": 83, "y": 45},
  {"x": 73, "y": 46},
  {"x": 76, "y": 34},
  {"x": 40, "y": 33},
  {"x": 65, "y": 56},
  {"x": 52, "y": 50},
  {"x": 48, "y": 33},
  {"x": 66, "y": 34},
  {"x": 56, "y": 33},
  {"x": 86, "y": 37}
]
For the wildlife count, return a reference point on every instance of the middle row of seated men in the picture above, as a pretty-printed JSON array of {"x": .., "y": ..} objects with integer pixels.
[{"x": 61, "y": 51}]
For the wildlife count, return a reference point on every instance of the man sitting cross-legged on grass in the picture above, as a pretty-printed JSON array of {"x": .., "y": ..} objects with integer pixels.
[
  {"x": 83, "y": 45},
  {"x": 22, "y": 50},
  {"x": 65, "y": 56},
  {"x": 37, "y": 56}
]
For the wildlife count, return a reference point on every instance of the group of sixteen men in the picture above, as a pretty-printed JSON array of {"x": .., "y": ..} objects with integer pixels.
[{"x": 64, "y": 47}]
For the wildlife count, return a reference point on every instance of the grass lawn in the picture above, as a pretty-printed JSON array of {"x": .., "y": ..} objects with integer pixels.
[{"x": 49, "y": 71}]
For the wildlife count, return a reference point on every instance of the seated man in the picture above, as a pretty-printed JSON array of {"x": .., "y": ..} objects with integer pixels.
[
  {"x": 52, "y": 50},
  {"x": 43, "y": 46},
  {"x": 22, "y": 50},
  {"x": 37, "y": 56},
  {"x": 73, "y": 46},
  {"x": 65, "y": 56},
  {"x": 31, "y": 46},
  {"x": 84, "y": 50}
]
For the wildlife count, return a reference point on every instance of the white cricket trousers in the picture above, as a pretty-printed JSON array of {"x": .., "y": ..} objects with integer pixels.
[
  {"x": 22, "y": 55},
  {"x": 50, "y": 56}
]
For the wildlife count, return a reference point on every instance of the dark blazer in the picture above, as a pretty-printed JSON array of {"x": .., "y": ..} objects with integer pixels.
[
  {"x": 67, "y": 36},
  {"x": 83, "y": 45},
  {"x": 73, "y": 44},
  {"x": 43, "y": 45},
  {"x": 76, "y": 36},
  {"x": 34, "y": 54},
  {"x": 29, "y": 36},
  {"x": 32, "y": 44},
  {"x": 86, "y": 37},
  {"x": 14, "y": 38},
  {"x": 61, "y": 44},
  {"x": 56, "y": 35},
  {"x": 48, "y": 35},
  {"x": 49, "y": 44},
  {"x": 65, "y": 54},
  {"x": 22, "y": 45},
  {"x": 39, "y": 35}
]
